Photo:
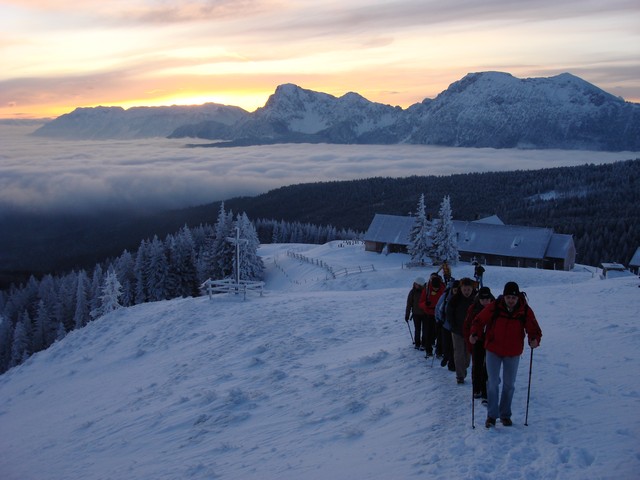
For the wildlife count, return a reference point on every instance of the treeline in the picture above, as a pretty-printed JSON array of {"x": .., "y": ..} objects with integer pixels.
[
  {"x": 36, "y": 314},
  {"x": 597, "y": 204}
]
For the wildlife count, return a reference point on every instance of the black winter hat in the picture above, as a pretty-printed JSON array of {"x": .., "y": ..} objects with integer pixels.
[
  {"x": 485, "y": 292},
  {"x": 511, "y": 288}
]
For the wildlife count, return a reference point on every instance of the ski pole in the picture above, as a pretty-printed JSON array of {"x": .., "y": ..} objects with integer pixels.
[
  {"x": 473, "y": 410},
  {"x": 526, "y": 417},
  {"x": 407, "y": 322}
]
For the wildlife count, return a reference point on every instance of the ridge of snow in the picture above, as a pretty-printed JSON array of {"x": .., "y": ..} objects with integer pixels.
[{"x": 317, "y": 379}]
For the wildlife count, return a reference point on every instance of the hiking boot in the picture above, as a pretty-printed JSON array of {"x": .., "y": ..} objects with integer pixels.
[
  {"x": 506, "y": 421},
  {"x": 460, "y": 380},
  {"x": 491, "y": 422},
  {"x": 428, "y": 355},
  {"x": 452, "y": 367},
  {"x": 444, "y": 362},
  {"x": 417, "y": 347},
  {"x": 477, "y": 394}
]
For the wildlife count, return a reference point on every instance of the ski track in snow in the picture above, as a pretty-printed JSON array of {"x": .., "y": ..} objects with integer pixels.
[{"x": 318, "y": 379}]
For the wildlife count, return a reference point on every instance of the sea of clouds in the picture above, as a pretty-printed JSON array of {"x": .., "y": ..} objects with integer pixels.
[{"x": 50, "y": 175}]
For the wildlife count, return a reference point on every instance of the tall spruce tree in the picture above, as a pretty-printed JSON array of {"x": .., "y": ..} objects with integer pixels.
[
  {"x": 420, "y": 243},
  {"x": 110, "y": 296},
  {"x": 251, "y": 266},
  {"x": 445, "y": 242}
]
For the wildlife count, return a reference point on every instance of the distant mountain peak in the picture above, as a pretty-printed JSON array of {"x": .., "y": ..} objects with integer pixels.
[{"x": 483, "y": 109}]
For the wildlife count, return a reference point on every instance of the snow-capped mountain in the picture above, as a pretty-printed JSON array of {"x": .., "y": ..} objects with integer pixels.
[
  {"x": 100, "y": 123},
  {"x": 488, "y": 109},
  {"x": 494, "y": 109}
]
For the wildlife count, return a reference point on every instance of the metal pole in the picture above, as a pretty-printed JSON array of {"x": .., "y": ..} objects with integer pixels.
[
  {"x": 473, "y": 410},
  {"x": 407, "y": 322},
  {"x": 526, "y": 417}
]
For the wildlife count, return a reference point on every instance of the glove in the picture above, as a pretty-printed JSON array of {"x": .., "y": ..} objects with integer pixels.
[
  {"x": 473, "y": 339},
  {"x": 535, "y": 343}
]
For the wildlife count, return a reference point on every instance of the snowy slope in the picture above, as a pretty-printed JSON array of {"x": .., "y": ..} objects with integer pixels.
[{"x": 317, "y": 379}]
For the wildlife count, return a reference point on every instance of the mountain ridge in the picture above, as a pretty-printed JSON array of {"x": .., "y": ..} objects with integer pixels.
[{"x": 483, "y": 109}]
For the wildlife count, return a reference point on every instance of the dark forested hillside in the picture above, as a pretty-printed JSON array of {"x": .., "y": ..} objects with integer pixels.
[{"x": 598, "y": 204}]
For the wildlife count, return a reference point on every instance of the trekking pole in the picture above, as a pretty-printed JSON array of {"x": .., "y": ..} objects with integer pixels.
[
  {"x": 526, "y": 417},
  {"x": 407, "y": 322},
  {"x": 473, "y": 410}
]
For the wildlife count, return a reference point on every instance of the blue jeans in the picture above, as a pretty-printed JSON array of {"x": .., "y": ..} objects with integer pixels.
[{"x": 509, "y": 367}]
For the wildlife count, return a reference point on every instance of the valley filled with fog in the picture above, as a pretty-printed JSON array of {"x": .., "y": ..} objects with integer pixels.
[{"x": 48, "y": 175}]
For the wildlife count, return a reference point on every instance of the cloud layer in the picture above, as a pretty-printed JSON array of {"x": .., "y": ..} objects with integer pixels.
[{"x": 48, "y": 175}]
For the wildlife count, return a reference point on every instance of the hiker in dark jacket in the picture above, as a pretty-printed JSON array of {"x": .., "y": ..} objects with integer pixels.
[
  {"x": 456, "y": 313},
  {"x": 478, "y": 367},
  {"x": 478, "y": 272},
  {"x": 504, "y": 323},
  {"x": 445, "y": 328},
  {"x": 413, "y": 307}
]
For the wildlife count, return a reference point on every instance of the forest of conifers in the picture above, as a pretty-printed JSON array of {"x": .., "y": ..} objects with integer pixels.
[{"x": 598, "y": 204}]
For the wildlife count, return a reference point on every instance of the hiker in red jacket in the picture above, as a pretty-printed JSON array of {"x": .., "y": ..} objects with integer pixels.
[
  {"x": 428, "y": 301},
  {"x": 504, "y": 323}
]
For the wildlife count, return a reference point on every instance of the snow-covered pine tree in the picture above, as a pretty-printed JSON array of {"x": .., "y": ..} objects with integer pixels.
[
  {"x": 140, "y": 270},
  {"x": 444, "y": 239},
  {"x": 182, "y": 274},
  {"x": 225, "y": 251},
  {"x": 21, "y": 343},
  {"x": 41, "y": 327},
  {"x": 95, "y": 288},
  {"x": 420, "y": 244},
  {"x": 157, "y": 270},
  {"x": 81, "y": 314},
  {"x": 5, "y": 343},
  {"x": 251, "y": 266},
  {"x": 110, "y": 297},
  {"x": 124, "y": 267}
]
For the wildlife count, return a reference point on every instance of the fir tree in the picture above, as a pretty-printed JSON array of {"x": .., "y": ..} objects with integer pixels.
[
  {"x": 110, "y": 297},
  {"x": 420, "y": 243},
  {"x": 81, "y": 314},
  {"x": 21, "y": 343},
  {"x": 251, "y": 266},
  {"x": 446, "y": 245}
]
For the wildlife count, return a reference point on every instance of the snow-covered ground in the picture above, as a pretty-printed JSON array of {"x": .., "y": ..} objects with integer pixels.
[{"x": 317, "y": 379}]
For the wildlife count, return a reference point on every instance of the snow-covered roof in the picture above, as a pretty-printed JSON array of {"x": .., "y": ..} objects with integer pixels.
[
  {"x": 635, "y": 260},
  {"x": 493, "y": 219},
  {"x": 612, "y": 266},
  {"x": 390, "y": 229},
  {"x": 487, "y": 238},
  {"x": 559, "y": 245},
  {"x": 504, "y": 240}
]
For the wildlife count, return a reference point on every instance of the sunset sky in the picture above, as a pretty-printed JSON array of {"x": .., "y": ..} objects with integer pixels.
[{"x": 61, "y": 54}]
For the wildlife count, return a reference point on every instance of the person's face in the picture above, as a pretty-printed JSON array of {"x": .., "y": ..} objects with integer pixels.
[
  {"x": 466, "y": 290},
  {"x": 485, "y": 301},
  {"x": 510, "y": 300}
]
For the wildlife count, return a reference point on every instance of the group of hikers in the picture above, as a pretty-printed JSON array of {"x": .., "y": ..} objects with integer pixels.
[{"x": 462, "y": 323}]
